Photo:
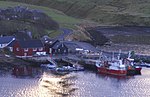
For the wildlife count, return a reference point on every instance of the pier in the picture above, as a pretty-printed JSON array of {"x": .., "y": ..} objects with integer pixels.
[{"x": 87, "y": 63}]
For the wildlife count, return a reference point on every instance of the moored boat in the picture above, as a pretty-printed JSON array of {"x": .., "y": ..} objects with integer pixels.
[
  {"x": 70, "y": 68},
  {"x": 118, "y": 66},
  {"x": 138, "y": 69},
  {"x": 147, "y": 65},
  {"x": 112, "y": 67},
  {"x": 132, "y": 68},
  {"x": 49, "y": 66}
]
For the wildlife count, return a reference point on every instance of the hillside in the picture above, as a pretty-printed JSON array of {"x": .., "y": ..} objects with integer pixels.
[
  {"x": 20, "y": 18},
  {"x": 15, "y": 16},
  {"x": 39, "y": 20},
  {"x": 106, "y": 12}
]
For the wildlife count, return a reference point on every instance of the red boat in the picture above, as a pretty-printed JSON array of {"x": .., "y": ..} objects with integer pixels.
[
  {"x": 132, "y": 69},
  {"x": 114, "y": 67},
  {"x": 138, "y": 69},
  {"x": 120, "y": 67}
]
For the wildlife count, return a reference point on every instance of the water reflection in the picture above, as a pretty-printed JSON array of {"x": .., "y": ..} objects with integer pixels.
[
  {"x": 24, "y": 81},
  {"x": 26, "y": 71},
  {"x": 57, "y": 86},
  {"x": 114, "y": 77}
]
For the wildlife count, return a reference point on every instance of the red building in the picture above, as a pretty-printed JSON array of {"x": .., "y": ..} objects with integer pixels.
[{"x": 28, "y": 48}]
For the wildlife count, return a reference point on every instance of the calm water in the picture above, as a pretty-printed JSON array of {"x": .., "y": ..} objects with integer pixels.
[{"x": 34, "y": 82}]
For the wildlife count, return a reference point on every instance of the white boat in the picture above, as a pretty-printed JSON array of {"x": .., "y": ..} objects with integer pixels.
[
  {"x": 78, "y": 68},
  {"x": 49, "y": 66},
  {"x": 70, "y": 68},
  {"x": 64, "y": 68},
  {"x": 147, "y": 65}
]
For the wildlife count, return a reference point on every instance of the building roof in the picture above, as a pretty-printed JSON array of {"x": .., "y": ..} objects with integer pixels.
[
  {"x": 47, "y": 40},
  {"x": 83, "y": 45},
  {"x": 71, "y": 45},
  {"x": 6, "y": 39},
  {"x": 11, "y": 44},
  {"x": 58, "y": 44},
  {"x": 31, "y": 44}
]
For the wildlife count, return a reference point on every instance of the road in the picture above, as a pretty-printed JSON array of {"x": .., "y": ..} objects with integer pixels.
[{"x": 65, "y": 33}]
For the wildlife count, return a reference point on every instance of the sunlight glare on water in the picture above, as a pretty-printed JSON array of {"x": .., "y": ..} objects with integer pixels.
[{"x": 75, "y": 84}]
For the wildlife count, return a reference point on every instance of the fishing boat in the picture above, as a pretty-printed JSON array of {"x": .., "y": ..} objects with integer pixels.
[
  {"x": 132, "y": 68},
  {"x": 114, "y": 67},
  {"x": 118, "y": 66}
]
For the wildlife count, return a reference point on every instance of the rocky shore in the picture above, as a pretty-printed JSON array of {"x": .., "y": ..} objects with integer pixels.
[
  {"x": 138, "y": 49},
  {"x": 10, "y": 61}
]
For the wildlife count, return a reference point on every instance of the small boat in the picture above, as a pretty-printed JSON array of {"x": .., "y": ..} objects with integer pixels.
[
  {"x": 49, "y": 66},
  {"x": 78, "y": 68},
  {"x": 132, "y": 68},
  {"x": 64, "y": 69},
  {"x": 140, "y": 64},
  {"x": 70, "y": 68},
  {"x": 147, "y": 65},
  {"x": 138, "y": 69},
  {"x": 143, "y": 64}
]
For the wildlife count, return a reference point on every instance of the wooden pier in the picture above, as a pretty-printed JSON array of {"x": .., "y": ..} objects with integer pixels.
[{"x": 62, "y": 60}]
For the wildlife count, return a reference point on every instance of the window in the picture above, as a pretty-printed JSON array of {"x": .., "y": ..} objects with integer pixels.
[
  {"x": 62, "y": 45},
  {"x": 25, "y": 54},
  {"x": 11, "y": 49},
  {"x": 26, "y": 49},
  {"x": 17, "y": 49},
  {"x": 3, "y": 45},
  {"x": 34, "y": 49},
  {"x": 40, "y": 49}
]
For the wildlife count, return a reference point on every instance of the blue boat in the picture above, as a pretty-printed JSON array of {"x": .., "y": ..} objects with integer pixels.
[
  {"x": 70, "y": 68},
  {"x": 49, "y": 66}
]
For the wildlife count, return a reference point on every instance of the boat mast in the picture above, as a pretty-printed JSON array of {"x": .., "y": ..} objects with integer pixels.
[
  {"x": 119, "y": 54},
  {"x": 113, "y": 56},
  {"x": 129, "y": 54}
]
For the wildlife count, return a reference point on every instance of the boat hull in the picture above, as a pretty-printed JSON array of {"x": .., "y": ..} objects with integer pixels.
[
  {"x": 112, "y": 72},
  {"x": 138, "y": 70}
]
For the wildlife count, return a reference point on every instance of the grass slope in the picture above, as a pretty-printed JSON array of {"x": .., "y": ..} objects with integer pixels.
[
  {"x": 55, "y": 14},
  {"x": 62, "y": 19},
  {"x": 106, "y": 12}
]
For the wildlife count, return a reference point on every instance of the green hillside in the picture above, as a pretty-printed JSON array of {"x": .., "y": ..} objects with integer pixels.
[
  {"x": 55, "y": 14},
  {"x": 106, "y": 12},
  {"x": 38, "y": 29}
]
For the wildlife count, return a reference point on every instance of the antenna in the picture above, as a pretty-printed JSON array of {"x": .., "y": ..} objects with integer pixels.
[
  {"x": 100, "y": 55},
  {"x": 113, "y": 56},
  {"x": 119, "y": 54},
  {"x": 129, "y": 54}
]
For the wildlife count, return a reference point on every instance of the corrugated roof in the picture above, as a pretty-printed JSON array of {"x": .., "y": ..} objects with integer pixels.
[
  {"x": 71, "y": 45},
  {"x": 57, "y": 45},
  {"x": 6, "y": 39},
  {"x": 84, "y": 45},
  {"x": 31, "y": 44}
]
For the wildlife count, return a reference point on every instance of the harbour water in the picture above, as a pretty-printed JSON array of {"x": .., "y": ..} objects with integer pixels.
[{"x": 35, "y": 82}]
